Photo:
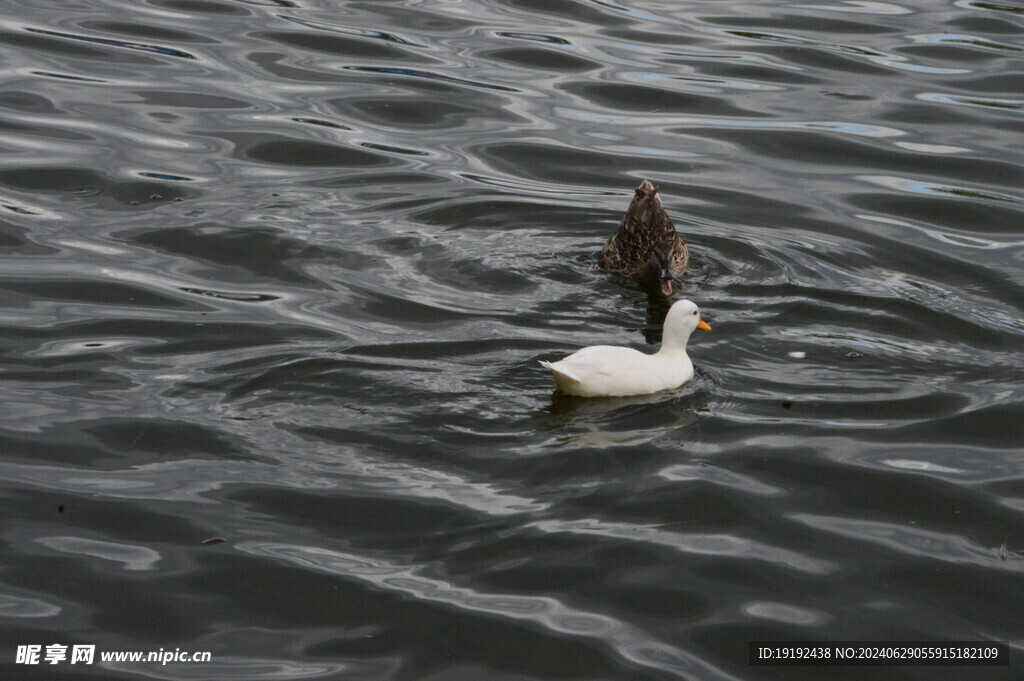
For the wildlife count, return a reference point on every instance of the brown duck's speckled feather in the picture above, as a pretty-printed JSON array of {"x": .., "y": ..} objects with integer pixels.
[{"x": 644, "y": 225}]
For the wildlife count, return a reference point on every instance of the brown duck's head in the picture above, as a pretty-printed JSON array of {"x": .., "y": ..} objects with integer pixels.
[{"x": 659, "y": 265}]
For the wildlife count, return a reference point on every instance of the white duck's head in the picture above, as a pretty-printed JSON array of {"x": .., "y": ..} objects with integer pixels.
[{"x": 682, "y": 318}]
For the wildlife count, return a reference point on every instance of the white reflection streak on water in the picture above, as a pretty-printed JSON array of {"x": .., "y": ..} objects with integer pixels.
[
  {"x": 914, "y": 541},
  {"x": 189, "y": 480},
  {"x": 229, "y": 667},
  {"x": 628, "y": 642},
  {"x": 703, "y": 544},
  {"x": 133, "y": 557}
]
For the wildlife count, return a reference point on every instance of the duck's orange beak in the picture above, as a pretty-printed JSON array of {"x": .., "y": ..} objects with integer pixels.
[{"x": 703, "y": 325}]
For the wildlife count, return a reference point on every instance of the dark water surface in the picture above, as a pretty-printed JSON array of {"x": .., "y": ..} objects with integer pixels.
[{"x": 279, "y": 272}]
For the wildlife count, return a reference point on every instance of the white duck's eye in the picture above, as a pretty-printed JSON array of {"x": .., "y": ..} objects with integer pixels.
[{"x": 694, "y": 312}]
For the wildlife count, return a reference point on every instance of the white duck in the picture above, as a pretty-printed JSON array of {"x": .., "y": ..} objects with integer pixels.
[{"x": 608, "y": 371}]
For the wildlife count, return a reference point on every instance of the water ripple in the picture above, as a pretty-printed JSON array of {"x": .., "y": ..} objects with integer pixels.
[
  {"x": 716, "y": 545},
  {"x": 430, "y": 75},
  {"x": 626, "y": 641},
  {"x": 916, "y": 542},
  {"x": 277, "y": 275},
  {"x": 133, "y": 557},
  {"x": 116, "y": 43}
]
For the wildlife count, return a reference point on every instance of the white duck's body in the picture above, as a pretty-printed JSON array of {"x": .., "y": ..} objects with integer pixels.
[{"x": 609, "y": 371}]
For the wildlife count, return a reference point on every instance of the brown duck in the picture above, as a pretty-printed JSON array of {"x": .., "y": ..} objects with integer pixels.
[{"x": 646, "y": 246}]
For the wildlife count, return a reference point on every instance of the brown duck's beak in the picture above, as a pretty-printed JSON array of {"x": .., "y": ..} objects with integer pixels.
[
  {"x": 666, "y": 286},
  {"x": 703, "y": 325}
]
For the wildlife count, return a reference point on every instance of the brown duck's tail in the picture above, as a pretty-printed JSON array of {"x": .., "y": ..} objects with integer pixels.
[
  {"x": 645, "y": 192},
  {"x": 646, "y": 188},
  {"x": 644, "y": 224},
  {"x": 646, "y": 209}
]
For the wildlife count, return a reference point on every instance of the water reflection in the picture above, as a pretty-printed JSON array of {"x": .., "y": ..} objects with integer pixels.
[
  {"x": 279, "y": 273},
  {"x": 619, "y": 421}
]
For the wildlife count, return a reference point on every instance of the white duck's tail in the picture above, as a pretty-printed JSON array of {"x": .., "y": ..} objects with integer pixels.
[{"x": 560, "y": 371}]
